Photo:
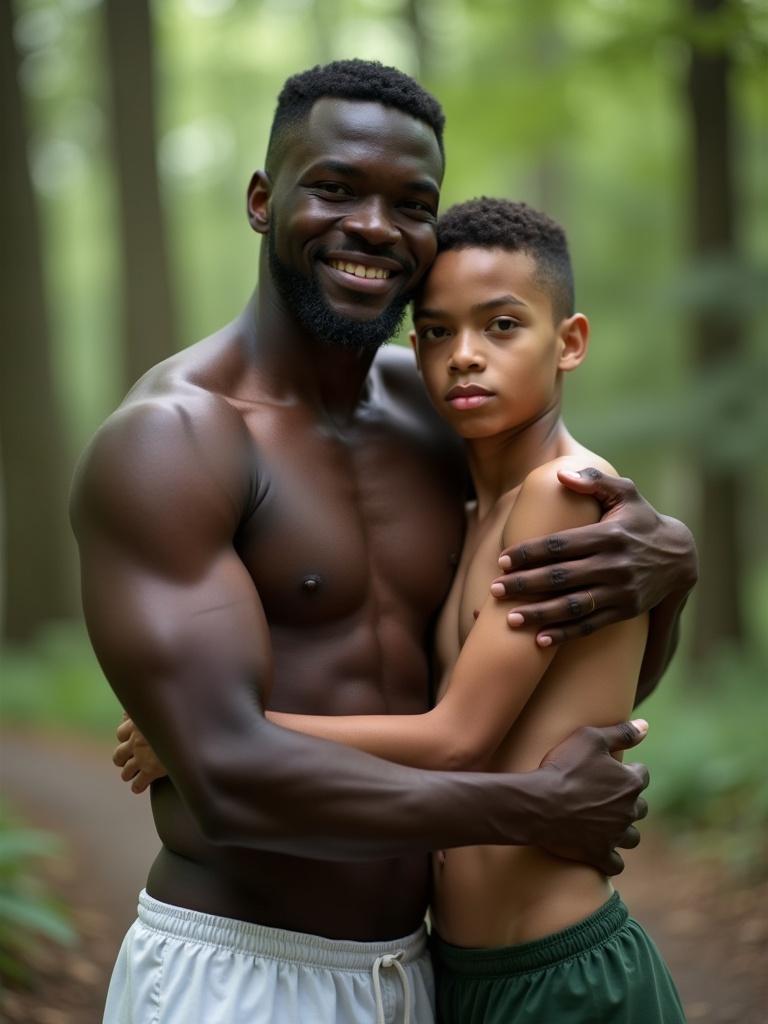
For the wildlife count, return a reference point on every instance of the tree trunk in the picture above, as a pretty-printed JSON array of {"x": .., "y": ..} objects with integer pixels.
[
  {"x": 38, "y": 584},
  {"x": 718, "y": 339},
  {"x": 148, "y": 321}
]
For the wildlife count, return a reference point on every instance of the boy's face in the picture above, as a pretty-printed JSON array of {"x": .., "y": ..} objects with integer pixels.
[{"x": 487, "y": 345}]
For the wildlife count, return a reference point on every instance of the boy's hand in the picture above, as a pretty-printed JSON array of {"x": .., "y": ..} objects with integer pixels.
[
  {"x": 140, "y": 765},
  {"x": 621, "y": 567},
  {"x": 592, "y": 800}
]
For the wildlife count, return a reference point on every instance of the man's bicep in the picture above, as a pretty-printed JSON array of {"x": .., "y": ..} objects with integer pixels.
[{"x": 173, "y": 614}]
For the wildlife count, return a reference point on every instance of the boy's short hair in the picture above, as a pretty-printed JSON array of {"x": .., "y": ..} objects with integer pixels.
[
  {"x": 350, "y": 80},
  {"x": 501, "y": 224}
]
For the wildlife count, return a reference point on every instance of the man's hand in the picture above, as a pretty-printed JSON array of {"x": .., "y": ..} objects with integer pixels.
[
  {"x": 623, "y": 566},
  {"x": 140, "y": 765},
  {"x": 591, "y": 800}
]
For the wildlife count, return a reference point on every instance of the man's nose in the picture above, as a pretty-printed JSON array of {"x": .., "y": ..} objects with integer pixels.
[
  {"x": 371, "y": 220},
  {"x": 466, "y": 354}
]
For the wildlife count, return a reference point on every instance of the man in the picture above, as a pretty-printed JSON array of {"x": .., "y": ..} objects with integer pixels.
[{"x": 273, "y": 515}]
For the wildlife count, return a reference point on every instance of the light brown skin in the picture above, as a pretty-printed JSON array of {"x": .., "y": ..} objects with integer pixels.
[{"x": 232, "y": 474}]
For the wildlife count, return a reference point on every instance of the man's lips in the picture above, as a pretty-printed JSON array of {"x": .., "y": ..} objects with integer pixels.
[
  {"x": 468, "y": 396},
  {"x": 360, "y": 272}
]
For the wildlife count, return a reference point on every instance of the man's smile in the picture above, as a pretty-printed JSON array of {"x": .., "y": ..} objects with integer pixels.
[
  {"x": 360, "y": 272},
  {"x": 359, "y": 269}
]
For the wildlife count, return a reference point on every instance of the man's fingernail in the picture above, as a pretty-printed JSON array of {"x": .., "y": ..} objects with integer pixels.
[
  {"x": 497, "y": 589},
  {"x": 570, "y": 474},
  {"x": 505, "y": 563},
  {"x": 544, "y": 641},
  {"x": 641, "y": 725},
  {"x": 515, "y": 619}
]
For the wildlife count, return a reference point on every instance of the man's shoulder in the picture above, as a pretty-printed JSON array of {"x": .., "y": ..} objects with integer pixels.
[
  {"x": 167, "y": 443},
  {"x": 394, "y": 367}
]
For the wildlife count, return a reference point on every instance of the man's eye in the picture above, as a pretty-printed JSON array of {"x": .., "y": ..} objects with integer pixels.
[
  {"x": 415, "y": 206},
  {"x": 332, "y": 188}
]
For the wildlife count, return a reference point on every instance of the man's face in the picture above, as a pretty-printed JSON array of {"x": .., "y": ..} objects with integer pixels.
[
  {"x": 489, "y": 349},
  {"x": 352, "y": 219}
]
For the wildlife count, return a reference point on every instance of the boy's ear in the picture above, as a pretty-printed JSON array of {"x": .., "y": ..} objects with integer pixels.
[
  {"x": 259, "y": 192},
  {"x": 574, "y": 339},
  {"x": 414, "y": 346}
]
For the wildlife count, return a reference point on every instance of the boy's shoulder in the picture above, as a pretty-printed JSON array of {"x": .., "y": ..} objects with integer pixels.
[{"x": 544, "y": 504}]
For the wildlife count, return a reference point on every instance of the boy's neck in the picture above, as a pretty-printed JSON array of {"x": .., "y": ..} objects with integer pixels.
[{"x": 501, "y": 463}]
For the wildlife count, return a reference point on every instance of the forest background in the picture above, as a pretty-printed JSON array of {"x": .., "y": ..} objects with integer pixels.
[{"x": 130, "y": 131}]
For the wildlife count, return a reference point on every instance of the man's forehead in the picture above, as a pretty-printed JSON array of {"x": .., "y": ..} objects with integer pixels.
[{"x": 334, "y": 126}]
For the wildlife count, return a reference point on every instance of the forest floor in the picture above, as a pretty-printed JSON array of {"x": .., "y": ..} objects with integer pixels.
[{"x": 711, "y": 927}]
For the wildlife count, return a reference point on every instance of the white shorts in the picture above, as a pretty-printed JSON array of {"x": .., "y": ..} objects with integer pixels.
[{"x": 178, "y": 966}]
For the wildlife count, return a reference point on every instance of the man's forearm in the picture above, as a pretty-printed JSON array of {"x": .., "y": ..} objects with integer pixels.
[
  {"x": 662, "y": 643},
  {"x": 306, "y": 797}
]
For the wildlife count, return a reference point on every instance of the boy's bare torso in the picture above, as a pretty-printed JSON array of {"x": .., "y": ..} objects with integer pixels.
[
  {"x": 351, "y": 534},
  {"x": 498, "y": 896}
]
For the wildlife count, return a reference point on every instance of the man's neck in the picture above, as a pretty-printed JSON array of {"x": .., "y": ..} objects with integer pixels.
[
  {"x": 500, "y": 463},
  {"x": 296, "y": 366}
]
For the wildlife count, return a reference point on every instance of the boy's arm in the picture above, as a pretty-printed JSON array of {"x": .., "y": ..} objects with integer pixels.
[
  {"x": 179, "y": 629},
  {"x": 494, "y": 675},
  {"x": 634, "y": 560}
]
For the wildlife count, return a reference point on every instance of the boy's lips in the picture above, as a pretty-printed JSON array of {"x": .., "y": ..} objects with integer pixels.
[{"x": 468, "y": 396}]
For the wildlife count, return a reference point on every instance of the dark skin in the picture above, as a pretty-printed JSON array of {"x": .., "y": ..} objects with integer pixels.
[{"x": 269, "y": 520}]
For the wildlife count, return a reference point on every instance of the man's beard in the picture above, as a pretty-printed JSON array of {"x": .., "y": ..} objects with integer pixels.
[{"x": 304, "y": 298}]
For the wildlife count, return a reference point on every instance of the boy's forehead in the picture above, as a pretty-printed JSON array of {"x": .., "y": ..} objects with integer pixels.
[
  {"x": 467, "y": 276},
  {"x": 367, "y": 131}
]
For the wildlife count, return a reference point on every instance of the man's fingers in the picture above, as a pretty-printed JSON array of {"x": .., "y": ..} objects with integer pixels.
[
  {"x": 614, "y": 864},
  {"x": 630, "y": 839},
  {"x": 125, "y": 729},
  {"x": 641, "y": 807},
  {"x": 568, "y": 544},
  {"x": 130, "y": 770},
  {"x": 608, "y": 490},
  {"x": 549, "y": 635},
  {"x": 625, "y": 735},
  {"x": 572, "y": 576}
]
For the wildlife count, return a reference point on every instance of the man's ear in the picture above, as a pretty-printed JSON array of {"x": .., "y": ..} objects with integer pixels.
[
  {"x": 414, "y": 346},
  {"x": 574, "y": 340},
  {"x": 259, "y": 192}
]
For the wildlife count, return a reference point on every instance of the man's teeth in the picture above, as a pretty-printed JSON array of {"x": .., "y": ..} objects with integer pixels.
[{"x": 359, "y": 270}]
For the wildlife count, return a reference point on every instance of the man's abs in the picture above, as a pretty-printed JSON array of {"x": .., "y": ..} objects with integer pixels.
[{"x": 365, "y": 902}]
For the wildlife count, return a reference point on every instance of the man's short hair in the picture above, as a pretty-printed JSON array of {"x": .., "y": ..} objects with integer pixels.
[
  {"x": 501, "y": 224},
  {"x": 350, "y": 80}
]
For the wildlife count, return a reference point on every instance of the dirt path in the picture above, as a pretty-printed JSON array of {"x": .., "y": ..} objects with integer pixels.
[{"x": 712, "y": 931}]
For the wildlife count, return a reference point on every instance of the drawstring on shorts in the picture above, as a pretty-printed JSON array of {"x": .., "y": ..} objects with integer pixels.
[{"x": 390, "y": 960}]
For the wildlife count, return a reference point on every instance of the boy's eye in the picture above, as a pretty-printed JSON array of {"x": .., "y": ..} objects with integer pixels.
[
  {"x": 505, "y": 323},
  {"x": 435, "y": 333}
]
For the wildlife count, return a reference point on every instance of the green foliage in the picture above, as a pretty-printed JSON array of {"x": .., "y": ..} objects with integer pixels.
[
  {"x": 57, "y": 683},
  {"x": 27, "y": 910},
  {"x": 706, "y": 752}
]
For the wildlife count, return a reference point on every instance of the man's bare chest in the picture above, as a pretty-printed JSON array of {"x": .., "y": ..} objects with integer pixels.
[{"x": 340, "y": 524}]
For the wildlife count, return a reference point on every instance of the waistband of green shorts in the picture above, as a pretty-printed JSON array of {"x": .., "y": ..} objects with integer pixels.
[{"x": 541, "y": 953}]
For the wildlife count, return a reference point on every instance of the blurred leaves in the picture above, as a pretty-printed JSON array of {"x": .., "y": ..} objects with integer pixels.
[{"x": 27, "y": 910}]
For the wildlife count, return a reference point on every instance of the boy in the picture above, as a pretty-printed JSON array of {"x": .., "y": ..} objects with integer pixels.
[{"x": 518, "y": 934}]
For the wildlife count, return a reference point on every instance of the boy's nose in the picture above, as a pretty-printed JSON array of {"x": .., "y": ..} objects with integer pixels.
[
  {"x": 466, "y": 355},
  {"x": 371, "y": 221}
]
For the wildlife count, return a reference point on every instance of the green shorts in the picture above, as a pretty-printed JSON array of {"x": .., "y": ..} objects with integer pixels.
[{"x": 604, "y": 970}]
